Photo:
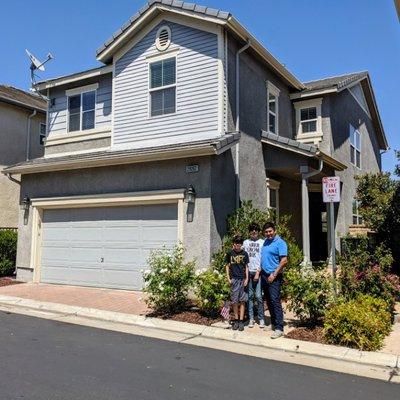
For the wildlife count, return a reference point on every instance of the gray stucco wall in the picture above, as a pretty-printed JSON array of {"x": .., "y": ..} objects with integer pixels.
[
  {"x": 198, "y": 234},
  {"x": 253, "y": 118},
  {"x": 78, "y": 146},
  {"x": 13, "y": 134},
  {"x": 345, "y": 111}
]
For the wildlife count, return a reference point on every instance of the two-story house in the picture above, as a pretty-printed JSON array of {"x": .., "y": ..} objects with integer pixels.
[
  {"x": 188, "y": 116},
  {"x": 22, "y": 134}
]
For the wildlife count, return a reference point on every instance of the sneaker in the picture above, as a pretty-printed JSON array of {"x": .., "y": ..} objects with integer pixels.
[
  {"x": 235, "y": 325},
  {"x": 251, "y": 323},
  {"x": 277, "y": 334},
  {"x": 241, "y": 326},
  {"x": 261, "y": 324}
]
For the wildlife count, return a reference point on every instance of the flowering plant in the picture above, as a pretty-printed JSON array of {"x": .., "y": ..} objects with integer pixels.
[{"x": 168, "y": 280}]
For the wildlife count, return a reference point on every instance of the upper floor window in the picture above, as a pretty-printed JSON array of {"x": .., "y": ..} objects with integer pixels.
[
  {"x": 42, "y": 134},
  {"x": 272, "y": 108},
  {"x": 355, "y": 147},
  {"x": 357, "y": 219},
  {"x": 273, "y": 196},
  {"x": 81, "y": 111},
  {"x": 163, "y": 87},
  {"x": 309, "y": 120}
]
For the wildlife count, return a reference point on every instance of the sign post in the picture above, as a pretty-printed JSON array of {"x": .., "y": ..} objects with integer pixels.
[{"x": 331, "y": 195}]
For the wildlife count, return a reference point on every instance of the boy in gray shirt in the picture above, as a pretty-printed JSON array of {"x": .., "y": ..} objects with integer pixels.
[{"x": 253, "y": 248}]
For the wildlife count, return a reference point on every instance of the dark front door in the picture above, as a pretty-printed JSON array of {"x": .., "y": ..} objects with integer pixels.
[{"x": 318, "y": 228}]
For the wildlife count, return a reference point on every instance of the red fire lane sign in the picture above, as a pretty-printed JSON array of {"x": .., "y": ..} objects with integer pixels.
[{"x": 331, "y": 189}]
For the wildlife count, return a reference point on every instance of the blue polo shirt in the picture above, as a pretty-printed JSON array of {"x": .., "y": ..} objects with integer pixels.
[{"x": 272, "y": 252}]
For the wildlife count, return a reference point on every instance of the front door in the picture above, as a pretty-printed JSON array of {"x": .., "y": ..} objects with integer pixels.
[{"x": 318, "y": 228}]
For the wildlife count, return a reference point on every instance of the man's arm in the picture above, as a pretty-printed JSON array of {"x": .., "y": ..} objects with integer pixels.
[
  {"x": 246, "y": 281},
  {"x": 282, "y": 263}
]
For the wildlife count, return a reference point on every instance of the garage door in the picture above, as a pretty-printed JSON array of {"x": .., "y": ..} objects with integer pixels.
[{"x": 104, "y": 246}]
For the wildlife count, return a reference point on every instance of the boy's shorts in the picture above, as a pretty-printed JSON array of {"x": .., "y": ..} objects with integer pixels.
[{"x": 238, "y": 292}]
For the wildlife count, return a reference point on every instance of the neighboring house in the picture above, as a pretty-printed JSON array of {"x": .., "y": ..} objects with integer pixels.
[
  {"x": 129, "y": 141},
  {"x": 19, "y": 111}
]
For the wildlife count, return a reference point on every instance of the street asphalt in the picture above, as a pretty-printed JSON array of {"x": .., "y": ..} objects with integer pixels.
[{"x": 44, "y": 359}]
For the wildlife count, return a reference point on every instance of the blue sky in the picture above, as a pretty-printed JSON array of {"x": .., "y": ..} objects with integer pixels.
[{"x": 313, "y": 38}]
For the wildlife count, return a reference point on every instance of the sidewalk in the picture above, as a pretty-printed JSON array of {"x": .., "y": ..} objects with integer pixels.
[{"x": 125, "y": 311}]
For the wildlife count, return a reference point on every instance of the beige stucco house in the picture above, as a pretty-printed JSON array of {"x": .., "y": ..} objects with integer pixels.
[{"x": 19, "y": 111}]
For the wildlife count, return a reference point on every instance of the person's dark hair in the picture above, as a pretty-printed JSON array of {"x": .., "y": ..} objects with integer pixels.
[
  {"x": 237, "y": 239},
  {"x": 254, "y": 227},
  {"x": 268, "y": 225}
]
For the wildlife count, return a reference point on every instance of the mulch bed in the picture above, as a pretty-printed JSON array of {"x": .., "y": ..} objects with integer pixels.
[
  {"x": 191, "y": 315},
  {"x": 6, "y": 281},
  {"x": 309, "y": 334}
]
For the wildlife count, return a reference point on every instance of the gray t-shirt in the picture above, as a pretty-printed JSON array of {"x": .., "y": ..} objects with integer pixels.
[{"x": 253, "y": 249}]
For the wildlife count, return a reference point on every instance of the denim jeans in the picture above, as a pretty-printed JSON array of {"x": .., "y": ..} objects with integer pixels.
[
  {"x": 272, "y": 293},
  {"x": 255, "y": 289}
]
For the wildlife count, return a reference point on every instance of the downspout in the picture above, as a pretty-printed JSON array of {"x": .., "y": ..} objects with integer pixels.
[
  {"x": 28, "y": 134},
  {"x": 305, "y": 175},
  {"x": 9, "y": 176},
  {"x": 241, "y": 50}
]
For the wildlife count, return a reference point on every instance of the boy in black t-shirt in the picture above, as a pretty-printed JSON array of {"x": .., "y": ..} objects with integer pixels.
[{"x": 237, "y": 272}]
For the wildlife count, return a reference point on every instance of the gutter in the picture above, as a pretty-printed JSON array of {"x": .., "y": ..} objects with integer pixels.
[{"x": 9, "y": 176}]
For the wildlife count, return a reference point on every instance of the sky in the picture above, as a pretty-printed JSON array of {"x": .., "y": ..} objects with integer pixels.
[{"x": 313, "y": 38}]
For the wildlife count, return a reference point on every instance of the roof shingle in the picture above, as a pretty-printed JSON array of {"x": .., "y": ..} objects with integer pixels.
[
  {"x": 25, "y": 99},
  {"x": 335, "y": 81}
]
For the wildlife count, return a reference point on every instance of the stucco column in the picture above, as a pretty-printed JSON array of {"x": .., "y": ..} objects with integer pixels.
[{"x": 305, "y": 213}]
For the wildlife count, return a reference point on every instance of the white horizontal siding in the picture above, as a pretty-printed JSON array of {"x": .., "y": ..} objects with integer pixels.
[
  {"x": 196, "y": 114},
  {"x": 58, "y": 113}
]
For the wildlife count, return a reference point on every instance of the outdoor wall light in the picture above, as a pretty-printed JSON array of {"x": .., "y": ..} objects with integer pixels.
[
  {"x": 25, "y": 203},
  {"x": 190, "y": 195}
]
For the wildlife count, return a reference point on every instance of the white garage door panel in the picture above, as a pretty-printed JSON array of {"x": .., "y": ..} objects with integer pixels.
[{"x": 104, "y": 246}]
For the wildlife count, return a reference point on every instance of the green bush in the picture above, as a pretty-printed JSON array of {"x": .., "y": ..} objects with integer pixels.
[
  {"x": 360, "y": 323},
  {"x": 8, "y": 251},
  {"x": 366, "y": 271},
  {"x": 308, "y": 292},
  {"x": 168, "y": 280},
  {"x": 211, "y": 290}
]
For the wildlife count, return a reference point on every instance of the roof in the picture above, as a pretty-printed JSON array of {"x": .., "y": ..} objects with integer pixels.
[
  {"x": 295, "y": 146},
  {"x": 65, "y": 79},
  {"x": 223, "y": 18},
  {"x": 335, "y": 81},
  {"x": 127, "y": 156},
  {"x": 18, "y": 97}
]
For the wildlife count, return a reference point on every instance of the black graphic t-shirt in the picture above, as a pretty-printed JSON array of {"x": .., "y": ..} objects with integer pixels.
[{"x": 238, "y": 262}]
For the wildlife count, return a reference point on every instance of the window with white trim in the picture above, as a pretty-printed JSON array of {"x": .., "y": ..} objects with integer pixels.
[
  {"x": 357, "y": 219},
  {"x": 42, "y": 133},
  {"x": 81, "y": 111},
  {"x": 309, "y": 120},
  {"x": 162, "y": 87},
  {"x": 273, "y": 196},
  {"x": 355, "y": 147},
  {"x": 272, "y": 108}
]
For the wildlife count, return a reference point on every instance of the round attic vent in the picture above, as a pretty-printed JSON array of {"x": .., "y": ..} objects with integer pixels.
[{"x": 163, "y": 38}]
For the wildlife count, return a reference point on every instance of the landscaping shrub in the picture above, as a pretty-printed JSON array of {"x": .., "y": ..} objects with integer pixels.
[
  {"x": 360, "y": 323},
  {"x": 308, "y": 292},
  {"x": 211, "y": 290},
  {"x": 367, "y": 272},
  {"x": 8, "y": 251},
  {"x": 168, "y": 280}
]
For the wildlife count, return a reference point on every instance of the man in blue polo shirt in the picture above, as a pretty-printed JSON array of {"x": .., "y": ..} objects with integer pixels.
[{"x": 273, "y": 260}]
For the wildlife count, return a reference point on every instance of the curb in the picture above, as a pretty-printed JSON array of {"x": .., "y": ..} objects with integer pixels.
[{"x": 385, "y": 361}]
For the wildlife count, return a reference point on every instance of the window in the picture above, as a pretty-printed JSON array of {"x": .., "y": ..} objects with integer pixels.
[
  {"x": 355, "y": 147},
  {"x": 272, "y": 108},
  {"x": 357, "y": 219},
  {"x": 81, "y": 111},
  {"x": 42, "y": 134},
  {"x": 273, "y": 196},
  {"x": 163, "y": 87},
  {"x": 309, "y": 121}
]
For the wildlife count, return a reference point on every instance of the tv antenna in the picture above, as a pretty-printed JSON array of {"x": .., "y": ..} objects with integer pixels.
[{"x": 37, "y": 65}]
